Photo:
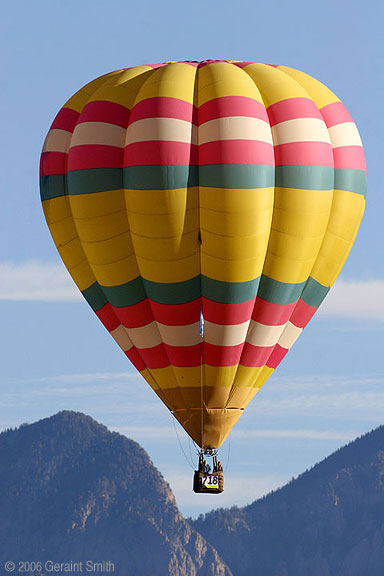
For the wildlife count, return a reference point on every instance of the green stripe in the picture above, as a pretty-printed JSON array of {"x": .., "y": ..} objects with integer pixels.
[
  {"x": 305, "y": 177},
  {"x": 52, "y": 186},
  {"x": 160, "y": 177},
  {"x": 138, "y": 289},
  {"x": 214, "y": 175},
  {"x": 170, "y": 293},
  {"x": 271, "y": 290},
  {"x": 351, "y": 180},
  {"x": 125, "y": 294},
  {"x": 173, "y": 293},
  {"x": 94, "y": 180},
  {"x": 229, "y": 292},
  {"x": 279, "y": 292},
  {"x": 81, "y": 182},
  {"x": 244, "y": 176},
  {"x": 236, "y": 176},
  {"x": 95, "y": 297},
  {"x": 314, "y": 293}
]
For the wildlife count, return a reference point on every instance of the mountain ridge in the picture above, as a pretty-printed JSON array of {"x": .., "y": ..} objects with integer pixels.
[
  {"x": 71, "y": 489},
  {"x": 330, "y": 519}
]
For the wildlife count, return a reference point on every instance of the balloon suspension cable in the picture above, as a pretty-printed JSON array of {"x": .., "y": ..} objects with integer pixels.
[
  {"x": 190, "y": 462},
  {"x": 229, "y": 452},
  {"x": 190, "y": 451},
  {"x": 195, "y": 446},
  {"x": 201, "y": 374}
]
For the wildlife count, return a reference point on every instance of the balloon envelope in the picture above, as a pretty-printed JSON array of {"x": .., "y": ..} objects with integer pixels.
[{"x": 204, "y": 210}]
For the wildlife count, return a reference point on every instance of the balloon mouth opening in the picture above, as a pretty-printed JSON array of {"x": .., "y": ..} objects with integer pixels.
[{"x": 208, "y": 427}]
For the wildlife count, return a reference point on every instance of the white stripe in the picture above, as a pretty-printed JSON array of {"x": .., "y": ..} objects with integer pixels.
[
  {"x": 121, "y": 337},
  {"x": 188, "y": 335},
  {"x": 98, "y": 133},
  {"x": 300, "y": 130},
  {"x": 235, "y": 128},
  {"x": 345, "y": 134},
  {"x": 166, "y": 129},
  {"x": 146, "y": 336},
  {"x": 263, "y": 335},
  {"x": 154, "y": 333},
  {"x": 289, "y": 336},
  {"x": 225, "y": 335},
  {"x": 57, "y": 141}
]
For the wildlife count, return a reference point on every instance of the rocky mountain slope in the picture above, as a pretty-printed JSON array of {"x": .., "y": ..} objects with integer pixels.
[
  {"x": 327, "y": 522},
  {"x": 70, "y": 490}
]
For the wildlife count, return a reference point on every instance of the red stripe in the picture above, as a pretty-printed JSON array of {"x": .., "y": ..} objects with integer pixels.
[
  {"x": 231, "y": 106},
  {"x": 276, "y": 356},
  {"x": 66, "y": 119},
  {"x": 222, "y": 355},
  {"x": 135, "y": 358},
  {"x": 101, "y": 111},
  {"x": 176, "y": 314},
  {"x": 53, "y": 163},
  {"x": 95, "y": 156},
  {"x": 155, "y": 66},
  {"x": 302, "y": 314},
  {"x": 108, "y": 317},
  {"x": 236, "y": 152},
  {"x": 163, "y": 355},
  {"x": 155, "y": 152},
  {"x": 335, "y": 113},
  {"x": 206, "y": 62},
  {"x": 184, "y": 355},
  {"x": 242, "y": 64},
  {"x": 227, "y": 314},
  {"x": 163, "y": 107},
  {"x": 350, "y": 157},
  {"x": 304, "y": 154},
  {"x": 255, "y": 356},
  {"x": 272, "y": 314},
  {"x": 155, "y": 357},
  {"x": 135, "y": 316},
  {"x": 147, "y": 311},
  {"x": 292, "y": 108}
]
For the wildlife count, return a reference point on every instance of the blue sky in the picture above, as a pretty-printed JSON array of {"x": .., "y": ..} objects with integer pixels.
[{"x": 55, "y": 353}]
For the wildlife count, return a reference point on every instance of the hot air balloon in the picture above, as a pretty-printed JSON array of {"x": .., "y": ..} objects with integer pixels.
[{"x": 204, "y": 210}]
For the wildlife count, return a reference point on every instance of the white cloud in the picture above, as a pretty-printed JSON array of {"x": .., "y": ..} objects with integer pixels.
[
  {"x": 161, "y": 432},
  {"x": 295, "y": 434},
  {"x": 50, "y": 282},
  {"x": 37, "y": 281},
  {"x": 355, "y": 300},
  {"x": 85, "y": 377},
  {"x": 354, "y": 398},
  {"x": 148, "y": 432}
]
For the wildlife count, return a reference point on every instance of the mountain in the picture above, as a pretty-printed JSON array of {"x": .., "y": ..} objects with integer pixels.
[
  {"x": 72, "y": 491},
  {"x": 327, "y": 522}
]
